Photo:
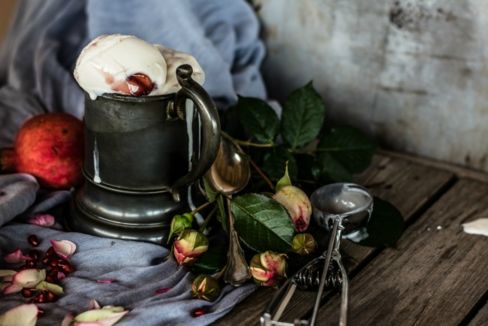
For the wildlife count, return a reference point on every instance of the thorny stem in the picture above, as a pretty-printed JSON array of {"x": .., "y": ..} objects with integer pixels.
[
  {"x": 199, "y": 208},
  {"x": 247, "y": 143},
  {"x": 207, "y": 219},
  {"x": 261, "y": 173}
]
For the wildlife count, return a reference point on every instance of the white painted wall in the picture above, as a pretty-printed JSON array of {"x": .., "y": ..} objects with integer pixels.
[{"x": 413, "y": 73}]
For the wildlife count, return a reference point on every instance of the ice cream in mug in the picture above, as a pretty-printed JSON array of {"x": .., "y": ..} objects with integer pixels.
[{"x": 125, "y": 64}]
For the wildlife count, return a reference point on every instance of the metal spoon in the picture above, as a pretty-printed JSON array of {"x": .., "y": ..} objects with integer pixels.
[{"x": 229, "y": 174}]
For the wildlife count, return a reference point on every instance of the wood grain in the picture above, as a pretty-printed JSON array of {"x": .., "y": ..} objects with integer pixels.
[
  {"x": 435, "y": 276},
  {"x": 390, "y": 179}
]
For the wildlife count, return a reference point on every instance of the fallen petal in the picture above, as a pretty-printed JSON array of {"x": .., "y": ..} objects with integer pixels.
[
  {"x": 54, "y": 288},
  {"x": 15, "y": 257},
  {"x": 63, "y": 248},
  {"x": 29, "y": 278},
  {"x": 479, "y": 226},
  {"x": 106, "y": 316},
  {"x": 25, "y": 315},
  {"x": 45, "y": 220},
  {"x": 12, "y": 288},
  {"x": 7, "y": 272},
  {"x": 106, "y": 281},
  {"x": 67, "y": 319}
]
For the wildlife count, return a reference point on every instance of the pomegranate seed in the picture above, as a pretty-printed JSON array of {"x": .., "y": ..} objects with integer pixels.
[
  {"x": 199, "y": 312},
  {"x": 40, "y": 312},
  {"x": 139, "y": 84},
  {"x": 51, "y": 297},
  {"x": 34, "y": 255},
  {"x": 46, "y": 261},
  {"x": 50, "y": 252},
  {"x": 40, "y": 298},
  {"x": 33, "y": 240},
  {"x": 27, "y": 293},
  {"x": 50, "y": 279},
  {"x": 162, "y": 290},
  {"x": 60, "y": 276},
  {"x": 65, "y": 266}
]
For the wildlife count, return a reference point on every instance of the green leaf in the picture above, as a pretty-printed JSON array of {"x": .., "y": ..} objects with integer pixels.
[
  {"x": 222, "y": 213},
  {"x": 274, "y": 163},
  {"x": 303, "y": 116},
  {"x": 210, "y": 192},
  {"x": 231, "y": 123},
  {"x": 262, "y": 223},
  {"x": 385, "y": 225},
  {"x": 259, "y": 119},
  {"x": 211, "y": 261},
  {"x": 329, "y": 169},
  {"x": 348, "y": 146},
  {"x": 285, "y": 179}
]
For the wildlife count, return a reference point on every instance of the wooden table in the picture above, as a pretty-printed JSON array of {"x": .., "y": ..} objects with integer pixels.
[{"x": 437, "y": 274}]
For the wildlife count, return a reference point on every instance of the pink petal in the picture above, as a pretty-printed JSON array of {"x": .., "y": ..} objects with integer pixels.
[
  {"x": 15, "y": 257},
  {"x": 106, "y": 281},
  {"x": 6, "y": 273},
  {"x": 29, "y": 278},
  {"x": 25, "y": 315},
  {"x": 64, "y": 248},
  {"x": 45, "y": 220},
  {"x": 12, "y": 288}
]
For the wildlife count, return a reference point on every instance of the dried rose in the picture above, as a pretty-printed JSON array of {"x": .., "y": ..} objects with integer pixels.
[
  {"x": 179, "y": 223},
  {"x": 189, "y": 246},
  {"x": 297, "y": 204},
  {"x": 205, "y": 287},
  {"x": 25, "y": 315},
  {"x": 268, "y": 268},
  {"x": 304, "y": 244}
]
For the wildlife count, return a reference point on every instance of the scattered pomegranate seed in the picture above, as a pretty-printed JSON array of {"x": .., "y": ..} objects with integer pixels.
[
  {"x": 60, "y": 276},
  {"x": 40, "y": 298},
  {"x": 50, "y": 252},
  {"x": 27, "y": 293},
  {"x": 199, "y": 312},
  {"x": 34, "y": 255},
  {"x": 50, "y": 279},
  {"x": 33, "y": 240},
  {"x": 46, "y": 261},
  {"x": 162, "y": 290},
  {"x": 40, "y": 312},
  {"x": 65, "y": 266},
  {"x": 51, "y": 297},
  {"x": 139, "y": 84}
]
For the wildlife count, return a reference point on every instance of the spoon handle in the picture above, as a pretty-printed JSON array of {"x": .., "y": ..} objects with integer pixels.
[{"x": 237, "y": 270}]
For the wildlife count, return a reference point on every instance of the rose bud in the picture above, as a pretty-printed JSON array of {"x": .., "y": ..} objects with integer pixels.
[
  {"x": 180, "y": 223},
  {"x": 297, "y": 204},
  {"x": 303, "y": 244},
  {"x": 189, "y": 246},
  {"x": 205, "y": 287},
  {"x": 268, "y": 268}
]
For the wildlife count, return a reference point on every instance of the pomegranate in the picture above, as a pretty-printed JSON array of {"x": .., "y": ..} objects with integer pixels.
[{"x": 50, "y": 147}]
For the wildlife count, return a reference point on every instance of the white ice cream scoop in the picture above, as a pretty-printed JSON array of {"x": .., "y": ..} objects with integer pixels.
[{"x": 127, "y": 65}]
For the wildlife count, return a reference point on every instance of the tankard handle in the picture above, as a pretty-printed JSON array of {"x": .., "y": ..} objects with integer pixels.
[{"x": 209, "y": 118}]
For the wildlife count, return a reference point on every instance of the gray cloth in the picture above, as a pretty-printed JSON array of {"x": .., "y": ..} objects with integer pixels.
[{"x": 36, "y": 63}]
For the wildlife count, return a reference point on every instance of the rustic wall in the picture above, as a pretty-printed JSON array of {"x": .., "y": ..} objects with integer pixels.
[
  {"x": 414, "y": 73},
  {"x": 6, "y": 11}
]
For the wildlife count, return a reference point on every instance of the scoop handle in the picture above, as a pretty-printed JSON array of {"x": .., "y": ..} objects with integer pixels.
[{"x": 210, "y": 121}]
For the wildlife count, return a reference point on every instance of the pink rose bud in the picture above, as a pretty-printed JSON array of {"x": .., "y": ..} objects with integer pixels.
[
  {"x": 268, "y": 268},
  {"x": 297, "y": 204},
  {"x": 205, "y": 287},
  {"x": 189, "y": 246},
  {"x": 303, "y": 244}
]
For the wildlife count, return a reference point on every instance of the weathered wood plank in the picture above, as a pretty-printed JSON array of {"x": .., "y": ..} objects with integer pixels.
[
  {"x": 436, "y": 274},
  {"x": 389, "y": 178},
  {"x": 481, "y": 318}
]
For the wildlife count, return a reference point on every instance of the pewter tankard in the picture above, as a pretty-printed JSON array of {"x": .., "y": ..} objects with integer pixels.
[{"x": 141, "y": 156}]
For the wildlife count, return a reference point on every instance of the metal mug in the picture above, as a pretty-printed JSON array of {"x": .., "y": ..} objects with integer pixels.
[{"x": 141, "y": 156}]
